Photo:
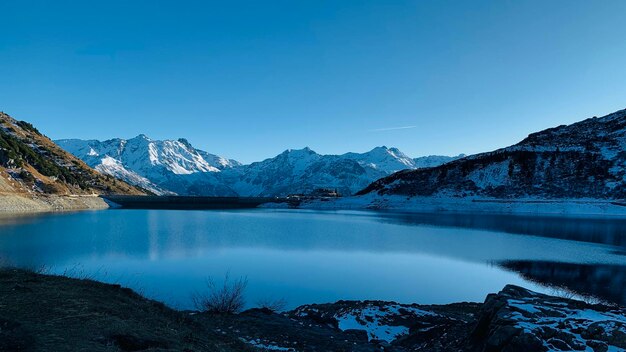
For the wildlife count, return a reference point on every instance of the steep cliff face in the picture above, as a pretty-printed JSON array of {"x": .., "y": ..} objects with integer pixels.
[
  {"x": 583, "y": 160},
  {"x": 32, "y": 165}
]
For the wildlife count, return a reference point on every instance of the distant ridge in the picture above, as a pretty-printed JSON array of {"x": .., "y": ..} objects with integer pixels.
[{"x": 176, "y": 167}]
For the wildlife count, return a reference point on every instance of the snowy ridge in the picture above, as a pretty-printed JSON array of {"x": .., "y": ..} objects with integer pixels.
[
  {"x": 175, "y": 166},
  {"x": 114, "y": 167},
  {"x": 162, "y": 167},
  {"x": 383, "y": 158},
  {"x": 586, "y": 159},
  {"x": 303, "y": 170}
]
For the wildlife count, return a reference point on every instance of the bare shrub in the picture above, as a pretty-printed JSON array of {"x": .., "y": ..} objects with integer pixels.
[
  {"x": 37, "y": 268},
  {"x": 274, "y": 305},
  {"x": 562, "y": 292},
  {"x": 592, "y": 300},
  {"x": 227, "y": 298},
  {"x": 78, "y": 271},
  {"x": 567, "y": 293}
]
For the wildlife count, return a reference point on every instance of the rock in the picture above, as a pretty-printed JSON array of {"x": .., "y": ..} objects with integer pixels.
[{"x": 517, "y": 319}]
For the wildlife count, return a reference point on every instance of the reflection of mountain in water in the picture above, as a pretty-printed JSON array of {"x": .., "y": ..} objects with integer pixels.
[
  {"x": 607, "y": 282},
  {"x": 605, "y": 231},
  {"x": 175, "y": 234}
]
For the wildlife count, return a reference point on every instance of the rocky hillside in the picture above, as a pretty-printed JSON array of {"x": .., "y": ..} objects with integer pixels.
[
  {"x": 583, "y": 160},
  {"x": 31, "y": 165},
  {"x": 175, "y": 166}
]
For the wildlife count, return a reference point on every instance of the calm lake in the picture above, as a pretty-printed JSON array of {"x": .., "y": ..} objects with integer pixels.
[{"x": 315, "y": 257}]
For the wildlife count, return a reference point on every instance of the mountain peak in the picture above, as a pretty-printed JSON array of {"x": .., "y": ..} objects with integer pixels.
[
  {"x": 386, "y": 151},
  {"x": 185, "y": 142},
  {"x": 142, "y": 137},
  {"x": 305, "y": 150}
]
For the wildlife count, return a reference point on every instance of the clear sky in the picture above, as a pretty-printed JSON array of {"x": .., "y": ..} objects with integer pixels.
[{"x": 248, "y": 79}]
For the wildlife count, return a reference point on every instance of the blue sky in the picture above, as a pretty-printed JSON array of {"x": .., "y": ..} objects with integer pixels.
[{"x": 248, "y": 79}]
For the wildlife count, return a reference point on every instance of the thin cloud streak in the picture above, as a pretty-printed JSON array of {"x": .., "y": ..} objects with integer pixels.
[{"x": 392, "y": 128}]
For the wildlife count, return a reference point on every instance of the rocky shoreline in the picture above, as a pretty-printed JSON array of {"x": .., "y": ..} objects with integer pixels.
[
  {"x": 53, "y": 313},
  {"x": 582, "y": 208},
  {"x": 17, "y": 203}
]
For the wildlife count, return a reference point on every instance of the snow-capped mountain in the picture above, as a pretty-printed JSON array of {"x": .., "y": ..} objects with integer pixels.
[
  {"x": 162, "y": 167},
  {"x": 434, "y": 160},
  {"x": 175, "y": 166},
  {"x": 303, "y": 170},
  {"x": 582, "y": 160},
  {"x": 383, "y": 158}
]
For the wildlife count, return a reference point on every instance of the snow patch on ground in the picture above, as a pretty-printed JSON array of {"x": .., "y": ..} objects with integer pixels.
[
  {"x": 375, "y": 320},
  {"x": 576, "y": 326},
  {"x": 493, "y": 175}
]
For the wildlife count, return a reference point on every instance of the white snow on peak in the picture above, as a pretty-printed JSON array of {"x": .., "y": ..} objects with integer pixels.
[
  {"x": 151, "y": 164},
  {"x": 382, "y": 158},
  {"x": 92, "y": 152},
  {"x": 176, "y": 166},
  {"x": 114, "y": 167}
]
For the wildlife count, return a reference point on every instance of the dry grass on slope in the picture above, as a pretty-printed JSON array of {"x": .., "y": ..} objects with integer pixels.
[{"x": 32, "y": 163}]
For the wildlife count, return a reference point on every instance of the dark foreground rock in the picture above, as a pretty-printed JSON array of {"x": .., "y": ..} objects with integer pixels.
[
  {"x": 517, "y": 319},
  {"x": 397, "y": 327},
  {"x": 51, "y": 313}
]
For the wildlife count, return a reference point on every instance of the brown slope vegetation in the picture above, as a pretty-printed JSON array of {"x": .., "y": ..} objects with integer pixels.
[{"x": 33, "y": 165}]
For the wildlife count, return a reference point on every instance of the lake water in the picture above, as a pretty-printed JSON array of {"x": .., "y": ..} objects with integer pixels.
[{"x": 315, "y": 257}]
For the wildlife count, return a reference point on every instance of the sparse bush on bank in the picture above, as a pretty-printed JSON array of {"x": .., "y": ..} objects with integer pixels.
[
  {"x": 274, "y": 305},
  {"x": 228, "y": 298}
]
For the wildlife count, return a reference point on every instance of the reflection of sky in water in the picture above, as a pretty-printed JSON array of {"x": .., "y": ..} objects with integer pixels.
[{"x": 303, "y": 256}]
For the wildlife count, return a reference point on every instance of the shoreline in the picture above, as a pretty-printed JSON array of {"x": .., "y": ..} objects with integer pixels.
[
  {"x": 13, "y": 203},
  {"x": 51, "y": 313},
  {"x": 584, "y": 208}
]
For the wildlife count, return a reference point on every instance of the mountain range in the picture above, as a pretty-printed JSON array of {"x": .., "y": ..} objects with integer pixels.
[
  {"x": 586, "y": 159},
  {"x": 176, "y": 167}
]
